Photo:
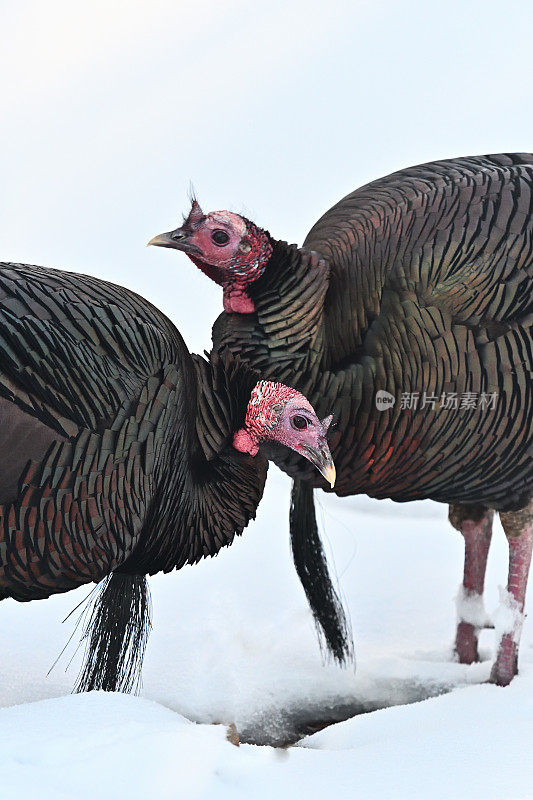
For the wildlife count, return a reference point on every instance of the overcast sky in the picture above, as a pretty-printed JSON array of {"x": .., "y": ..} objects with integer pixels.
[{"x": 275, "y": 109}]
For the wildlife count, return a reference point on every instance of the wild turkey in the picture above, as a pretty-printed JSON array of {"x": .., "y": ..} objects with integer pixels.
[
  {"x": 121, "y": 454},
  {"x": 408, "y": 313}
]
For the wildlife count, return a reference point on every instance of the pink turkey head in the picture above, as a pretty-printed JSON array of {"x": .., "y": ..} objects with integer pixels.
[
  {"x": 280, "y": 414},
  {"x": 228, "y": 248}
]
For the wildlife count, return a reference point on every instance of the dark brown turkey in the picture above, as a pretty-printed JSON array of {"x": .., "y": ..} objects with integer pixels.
[
  {"x": 408, "y": 313},
  {"x": 121, "y": 454}
]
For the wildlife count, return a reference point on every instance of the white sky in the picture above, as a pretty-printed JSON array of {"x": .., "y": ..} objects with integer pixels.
[{"x": 276, "y": 109}]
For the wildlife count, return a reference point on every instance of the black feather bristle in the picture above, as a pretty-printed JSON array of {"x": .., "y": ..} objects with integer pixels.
[
  {"x": 333, "y": 627},
  {"x": 116, "y": 627}
]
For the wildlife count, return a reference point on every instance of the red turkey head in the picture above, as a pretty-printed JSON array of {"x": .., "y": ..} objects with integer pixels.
[
  {"x": 228, "y": 248},
  {"x": 277, "y": 413}
]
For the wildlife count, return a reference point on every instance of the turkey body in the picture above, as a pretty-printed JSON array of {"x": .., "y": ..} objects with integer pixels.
[
  {"x": 113, "y": 439},
  {"x": 422, "y": 289},
  {"x": 408, "y": 313}
]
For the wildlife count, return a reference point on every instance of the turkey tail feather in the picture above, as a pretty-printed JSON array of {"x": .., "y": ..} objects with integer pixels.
[
  {"x": 115, "y": 631},
  {"x": 332, "y": 624}
]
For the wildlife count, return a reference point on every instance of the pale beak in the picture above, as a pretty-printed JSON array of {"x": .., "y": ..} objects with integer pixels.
[
  {"x": 330, "y": 474},
  {"x": 321, "y": 458},
  {"x": 162, "y": 240},
  {"x": 177, "y": 240}
]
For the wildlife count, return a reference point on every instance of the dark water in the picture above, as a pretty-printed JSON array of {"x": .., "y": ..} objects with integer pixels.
[{"x": 281, "y": 727}]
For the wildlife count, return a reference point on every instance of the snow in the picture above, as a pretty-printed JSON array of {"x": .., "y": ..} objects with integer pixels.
[
  {"x": 233, "y": 642},
  {"x": 508, "y": 617},
  {"x": 471, "y": 608}
]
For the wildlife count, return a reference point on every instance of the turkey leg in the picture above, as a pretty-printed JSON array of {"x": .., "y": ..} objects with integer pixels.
[
  {"x": 518, "y": 527},
  {"x": 475, "y": 523}
]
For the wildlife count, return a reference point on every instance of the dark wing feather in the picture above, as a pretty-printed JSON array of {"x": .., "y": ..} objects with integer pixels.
[
  {"x": 84, "y": 371},
  {"x": 431, "y": 290},
  {"x": 458, "y": 233}
]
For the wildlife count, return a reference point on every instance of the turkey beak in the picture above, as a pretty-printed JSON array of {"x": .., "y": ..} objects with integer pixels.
[
  {"x": 177, "y": 240},
  {"x": 321, "y": 458}
]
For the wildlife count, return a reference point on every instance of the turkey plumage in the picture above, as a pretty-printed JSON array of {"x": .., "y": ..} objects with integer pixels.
[
  {"x": 120, "y": 452},
  {"x": 408, "y": 313}
]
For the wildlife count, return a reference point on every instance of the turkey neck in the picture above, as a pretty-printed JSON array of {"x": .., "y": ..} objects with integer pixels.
[
  {"x": 207, "y": 492},
  {"x": 283, "y": 338},
  {"x": 309, "y": 321}
]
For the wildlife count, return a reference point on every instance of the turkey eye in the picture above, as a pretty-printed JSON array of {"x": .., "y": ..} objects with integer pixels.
[
  {"x": 220, "y": 237},
  {"x": 299, "y": 422}
]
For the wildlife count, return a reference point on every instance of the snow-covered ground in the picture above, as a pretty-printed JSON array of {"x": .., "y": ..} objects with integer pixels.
[{"x": 233, "y": 642}]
